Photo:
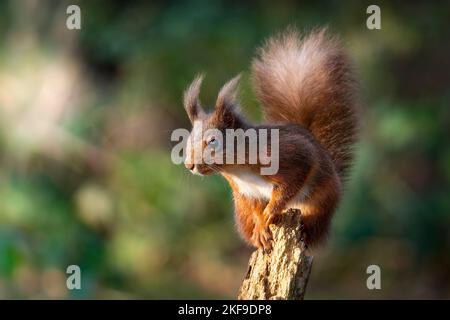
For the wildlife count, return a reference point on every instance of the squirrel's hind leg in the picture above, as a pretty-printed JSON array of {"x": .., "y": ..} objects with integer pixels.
[{"x": 317, "y": 214}]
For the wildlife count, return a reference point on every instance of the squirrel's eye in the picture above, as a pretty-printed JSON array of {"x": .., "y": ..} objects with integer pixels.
[{"x": 213, "y": 142}]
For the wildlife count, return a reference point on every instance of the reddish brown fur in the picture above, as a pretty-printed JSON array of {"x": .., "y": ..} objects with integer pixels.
[
  {"x": 309, "y": 81},
  {"x": 245, "y": 222},
  {"x": 307, "y": 90}
]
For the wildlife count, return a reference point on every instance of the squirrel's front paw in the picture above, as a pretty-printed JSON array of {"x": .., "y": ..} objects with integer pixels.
[
  {"x": 272, "y": 218},
  {"x": 262, "y": 237}
]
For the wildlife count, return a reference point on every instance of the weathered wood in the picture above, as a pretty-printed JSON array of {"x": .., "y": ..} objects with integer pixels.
[{"x": 284, "y": 272}]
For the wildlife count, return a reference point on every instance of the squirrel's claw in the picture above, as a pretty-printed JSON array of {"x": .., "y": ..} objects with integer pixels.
[
  {"x": 266, "y": 237},
  {"x": 262, "y": 238},
  {"x": 262, "y": 235}
]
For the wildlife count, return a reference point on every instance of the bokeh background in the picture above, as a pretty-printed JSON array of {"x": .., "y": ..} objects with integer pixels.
[{"x": 85, "y": 170}]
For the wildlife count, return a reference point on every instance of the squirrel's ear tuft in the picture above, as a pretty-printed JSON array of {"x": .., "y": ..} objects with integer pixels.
[
  {"x": 191, "y": 99},
  {"x": 228, "y": 95},
  {"x": 227, "y": 100}
]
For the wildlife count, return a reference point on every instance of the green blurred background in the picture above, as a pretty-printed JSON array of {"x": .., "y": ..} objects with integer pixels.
[{"x": 85, "y": 170}]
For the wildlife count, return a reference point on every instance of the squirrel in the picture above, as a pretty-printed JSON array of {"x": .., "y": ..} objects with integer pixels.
[{"x": 308, "y": 91}]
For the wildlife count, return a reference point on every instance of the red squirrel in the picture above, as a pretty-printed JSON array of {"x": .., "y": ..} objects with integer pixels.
[{"x": 308, "y": 92}]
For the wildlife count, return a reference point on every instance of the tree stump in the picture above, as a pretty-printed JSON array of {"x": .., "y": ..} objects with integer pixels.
[{"x": 283, "y": 273}]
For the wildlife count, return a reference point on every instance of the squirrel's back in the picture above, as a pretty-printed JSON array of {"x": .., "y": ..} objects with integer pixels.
[{"x": 308, "y": 80}]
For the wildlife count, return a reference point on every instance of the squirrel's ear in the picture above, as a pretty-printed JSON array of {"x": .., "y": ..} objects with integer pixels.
[
  {"x": 191, "y": 100},
  {"x": 227, "y": 100}
]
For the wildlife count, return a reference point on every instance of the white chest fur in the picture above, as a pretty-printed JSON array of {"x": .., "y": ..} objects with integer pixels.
[
  {"x": 252, "y": 185},
  {"x": 256, "y": 187}
]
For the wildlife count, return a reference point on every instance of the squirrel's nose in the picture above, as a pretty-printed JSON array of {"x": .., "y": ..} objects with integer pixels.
[{"x": 189, "y": 166}]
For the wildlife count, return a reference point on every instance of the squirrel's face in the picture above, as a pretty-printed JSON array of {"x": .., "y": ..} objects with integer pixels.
[{"x": 205, "y": 150}]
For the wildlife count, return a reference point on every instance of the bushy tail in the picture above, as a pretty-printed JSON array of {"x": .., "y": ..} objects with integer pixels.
[{"x": 308, "y": 80}]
